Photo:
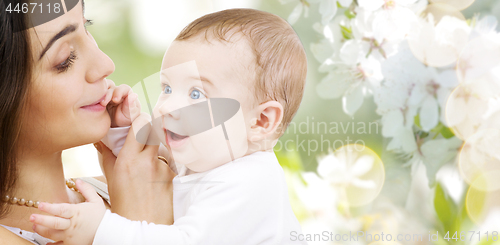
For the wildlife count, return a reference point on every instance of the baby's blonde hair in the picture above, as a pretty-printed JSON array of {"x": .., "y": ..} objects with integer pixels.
[{"x": 281, "y": 60}]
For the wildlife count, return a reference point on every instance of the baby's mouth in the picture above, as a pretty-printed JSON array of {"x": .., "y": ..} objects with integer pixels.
[{"x": 175, "y": 140}]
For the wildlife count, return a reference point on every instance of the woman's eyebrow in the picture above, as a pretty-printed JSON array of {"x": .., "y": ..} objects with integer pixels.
[{"x": 67, "y": 30}]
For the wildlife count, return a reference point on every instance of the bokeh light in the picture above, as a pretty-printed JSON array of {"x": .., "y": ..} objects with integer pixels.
[
  {"x": 457, "y": 4},
  {"x": 363, "y": 175},
  {"x": 440, "y": 10},
  {"x": 480, "y": 204},
  {"x": 479, "y": 160},
  {"x": 438, "y": 44}
]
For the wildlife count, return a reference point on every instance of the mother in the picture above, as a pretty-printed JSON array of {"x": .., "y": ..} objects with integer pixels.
[{"x": 49, "y": 75}]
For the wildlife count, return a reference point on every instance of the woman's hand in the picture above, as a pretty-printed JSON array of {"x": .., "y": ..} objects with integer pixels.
[{"x": 140, "y": 185}]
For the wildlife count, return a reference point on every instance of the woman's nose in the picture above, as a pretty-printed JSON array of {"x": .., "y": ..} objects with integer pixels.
[{"x": 100, "y": 65}]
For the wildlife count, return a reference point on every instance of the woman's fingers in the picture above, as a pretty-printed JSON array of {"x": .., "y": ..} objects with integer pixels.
[
  {"x": 50, "y": 222},
  {"x": 88, "y": 192},
  {"x": 55, "y": 235},
  {"x": 63, "y": 210},
  {"x": 108, "y": 160}
]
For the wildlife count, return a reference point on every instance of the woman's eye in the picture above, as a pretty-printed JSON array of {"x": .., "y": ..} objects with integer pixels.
[
  {"x": 196, "y": 94},
  {"x": 167, "y": 90},
  {"x": 66, "y": 64}
]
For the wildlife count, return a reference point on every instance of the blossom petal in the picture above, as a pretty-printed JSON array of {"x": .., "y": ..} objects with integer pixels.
[
  {"x": 327, "y": 9},
  {"x": 365, "y": 184},
  {"x": 429, "y": 114},
  {"x": 392, "y": 122},
  {"x": 350, "y": 53},
  {"x": 333, "y": 85},
  {"x": 371, "y": 5},
  {"x": 362, "y": 165},
  {"x": 328, "y": 164},
  {"x": 352, "y": 101},
  {"x": 295, "y": 15},
  {"x": 322, "y": 50},
  {"x": 345, "y": 3}
]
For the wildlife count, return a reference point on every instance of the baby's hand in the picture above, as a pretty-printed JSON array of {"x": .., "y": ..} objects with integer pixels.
[
  {"x": 123, "y": 106},
  {"x": 74, "y": 223}
]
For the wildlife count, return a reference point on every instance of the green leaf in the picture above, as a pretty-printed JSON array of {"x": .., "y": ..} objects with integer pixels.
[
  {"x": 446, "y": 132},
  {"x": 416, "y": 121},
  {"x": 346, "y": 32},
  {"x": 349, "y": 13},
  {"x": 446, "y": 209}
]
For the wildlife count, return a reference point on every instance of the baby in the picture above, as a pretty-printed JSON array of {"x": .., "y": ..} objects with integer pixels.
[{"x": 232, "y": 82}]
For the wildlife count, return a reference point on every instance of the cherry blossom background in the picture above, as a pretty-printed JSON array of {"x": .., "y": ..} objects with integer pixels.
[{"x": 434, "y": 77}]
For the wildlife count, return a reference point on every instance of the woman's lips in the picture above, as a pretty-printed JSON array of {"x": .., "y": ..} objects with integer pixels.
[
  {"x": 175, "y": 140},
  {"x": 96, "y": 106}
]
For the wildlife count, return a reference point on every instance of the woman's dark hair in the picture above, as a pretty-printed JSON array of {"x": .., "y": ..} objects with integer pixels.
[{"x": 15, "y": 76}]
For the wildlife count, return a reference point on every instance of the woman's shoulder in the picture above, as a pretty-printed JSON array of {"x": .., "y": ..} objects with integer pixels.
[{"x": 8, "y": 238}]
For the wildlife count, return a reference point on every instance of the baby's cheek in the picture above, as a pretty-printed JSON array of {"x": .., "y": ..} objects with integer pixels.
[{"x": 211, "y": 148}]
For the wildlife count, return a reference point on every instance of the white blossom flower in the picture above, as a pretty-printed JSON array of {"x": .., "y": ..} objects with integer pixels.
[
  {"x": 352, "y": 82},
  {"x": 439, "y": 45},
  {"x": 431, "y": 94},
  {"x": 466, "y": 109},
  {"x": 356, "y": 172},
  {"x": 481, "y": 55},
  {"x": 297, "y": 12},
  {"x": 328, "y": 8},
  {"x": 435, "y": 153},
  {"x": 396, "y": 127},
  {"x": 486, "y": 26},
  {"x": 372, "y": 5},
  {"x": 341, "y": 171}
]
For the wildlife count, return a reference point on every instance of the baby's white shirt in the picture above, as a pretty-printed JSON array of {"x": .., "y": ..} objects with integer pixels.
[
  {"x": 115, "y": 139},
  {"x": 242, "y": 202}
]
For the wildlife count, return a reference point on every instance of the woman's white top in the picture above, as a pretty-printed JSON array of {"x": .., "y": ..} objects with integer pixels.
[
  {"x": 241, "y": 202},
  {"x": 101, "y": 189}
]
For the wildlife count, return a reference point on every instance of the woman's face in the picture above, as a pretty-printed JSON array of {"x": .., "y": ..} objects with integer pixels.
[{"x": 68, "y": 80}]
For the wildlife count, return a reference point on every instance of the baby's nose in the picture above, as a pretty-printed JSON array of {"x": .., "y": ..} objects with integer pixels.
[
  {"x": 175, "y": 114},
  {"x": 171, "y": 107}
]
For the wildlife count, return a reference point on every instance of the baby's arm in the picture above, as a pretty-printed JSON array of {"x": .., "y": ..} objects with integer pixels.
[
  {"x": 73, "y": 223},
  {"x": 226, "y": 213}
]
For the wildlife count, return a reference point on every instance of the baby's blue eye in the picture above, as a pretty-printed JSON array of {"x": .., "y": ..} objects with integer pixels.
[
  {"x": 167, "y": 90},
  {"x": 195, "y": 94}
]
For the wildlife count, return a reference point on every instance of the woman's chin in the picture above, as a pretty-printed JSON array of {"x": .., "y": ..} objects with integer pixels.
[{"x": 97, "y": 130}]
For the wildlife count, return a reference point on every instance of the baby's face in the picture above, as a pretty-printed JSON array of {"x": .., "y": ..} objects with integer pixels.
[{"x": 201, "y": 80}]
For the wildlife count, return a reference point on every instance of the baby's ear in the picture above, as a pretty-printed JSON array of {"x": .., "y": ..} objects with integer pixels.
[{"x": 268, "y": 117}]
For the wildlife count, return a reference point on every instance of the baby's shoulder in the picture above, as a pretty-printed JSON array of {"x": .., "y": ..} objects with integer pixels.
[{"x": 7, "y": 237}]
